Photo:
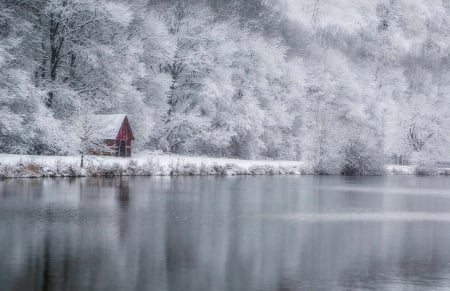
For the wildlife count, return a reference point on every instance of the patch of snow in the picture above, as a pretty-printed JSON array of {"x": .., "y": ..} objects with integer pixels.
[{"x": 400, "y": 170}]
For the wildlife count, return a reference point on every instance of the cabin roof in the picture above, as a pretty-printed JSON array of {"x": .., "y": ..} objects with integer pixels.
[{"x": 108, "y": 124}]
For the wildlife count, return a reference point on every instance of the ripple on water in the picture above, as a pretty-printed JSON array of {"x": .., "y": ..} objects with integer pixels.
[{"x": 365, "y": 217}]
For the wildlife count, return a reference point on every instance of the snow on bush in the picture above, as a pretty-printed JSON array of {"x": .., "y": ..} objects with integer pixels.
[{"x": 360, "y": 159}]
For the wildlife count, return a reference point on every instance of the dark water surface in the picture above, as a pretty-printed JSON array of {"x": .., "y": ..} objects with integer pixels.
[{"x": 234, "y": 233}]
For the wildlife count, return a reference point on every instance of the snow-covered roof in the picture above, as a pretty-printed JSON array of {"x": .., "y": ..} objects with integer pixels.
[{"x": 108, "y": 125}]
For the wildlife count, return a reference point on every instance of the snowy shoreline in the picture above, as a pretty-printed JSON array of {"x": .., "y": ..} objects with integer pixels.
[
  {"x": 33, "y": 166},
  {"x": 29, "y": 166}
]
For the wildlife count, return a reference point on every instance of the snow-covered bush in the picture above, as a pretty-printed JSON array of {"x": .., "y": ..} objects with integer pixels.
[
  {"x": 219, "y": 170},
  {"x": 103, "y": 170},
  {"x": 426, "y": 170},
  {"x": 132, "y": 168},
  {"x": 71, "y": 171},
  {"x": 151, "y": 168},
  {"x": 360, "y": 159}
]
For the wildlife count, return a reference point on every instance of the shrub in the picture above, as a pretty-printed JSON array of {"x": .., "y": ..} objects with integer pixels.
[
  {"x": 426, "y": 170},
  {"x": 114, "y": 170},
  {"x": 20, "y": 170},
  {"x": 33, "y": 168},
  {"x": 150, "y": 168},
  {"x": 257, "y": 170},
  {"x": 359, "y": 159},
  {"x": 132, "y": 168},
  {"x": 203, "y": 170},
  {"x": 72, "y": 171},
  {"x": 189, "y": 169},
  {"x": 6, "y": 171},
  {"x": 219, "y": 170}
]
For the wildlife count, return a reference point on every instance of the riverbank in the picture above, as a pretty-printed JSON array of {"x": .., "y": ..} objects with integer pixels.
[
  {"x": 416, "y": 170},
  {"x": 24, "y": 166},
  {"x": 29, "y": 166}
]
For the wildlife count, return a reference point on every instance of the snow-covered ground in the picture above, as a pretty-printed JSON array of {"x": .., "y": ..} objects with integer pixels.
[
  {"x": 416, "y": 170},
  {"x": 147, "y": 164},
  {"x": 141, "y": 164},
  {"x": 400, "y": 170}
]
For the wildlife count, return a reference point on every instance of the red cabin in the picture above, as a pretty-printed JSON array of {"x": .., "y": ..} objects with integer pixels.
[{"x": 116, "y": 133}]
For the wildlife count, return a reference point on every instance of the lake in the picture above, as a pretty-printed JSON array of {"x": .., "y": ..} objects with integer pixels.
[{"x": 225, "y": 233}]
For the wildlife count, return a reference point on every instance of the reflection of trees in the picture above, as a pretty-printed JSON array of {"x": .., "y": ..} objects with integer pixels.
[
  {"x": 124, "y": 193},
  {"x": 46, "y": 276},
  {"x": 206, "y": 234},
  {"x": 123, "y": 199}
]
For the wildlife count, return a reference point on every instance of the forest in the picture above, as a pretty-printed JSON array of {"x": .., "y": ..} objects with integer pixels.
[{"x": 343, "y": 85}]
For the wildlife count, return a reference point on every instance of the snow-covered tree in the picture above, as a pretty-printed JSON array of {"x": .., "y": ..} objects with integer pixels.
[{"x": 311, "y": 80}]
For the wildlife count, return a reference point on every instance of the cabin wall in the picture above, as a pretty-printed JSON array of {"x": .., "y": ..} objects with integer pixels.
[
  {"x": 110, "y": 143},
  {"x": 129, "y": 148},
  {"x": 125, "y": 132},
  {"x": 121, "y": 145},
  {"x": 116, "y": 150},
  {"x": 123, "y": 148}
]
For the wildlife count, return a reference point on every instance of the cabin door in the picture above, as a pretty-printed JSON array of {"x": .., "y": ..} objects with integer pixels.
[{"x": 122, "y": 148}]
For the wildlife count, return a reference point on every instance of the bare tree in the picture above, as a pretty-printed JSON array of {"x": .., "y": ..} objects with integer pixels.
[
  {"x": 418, "y": 136},
  {"x": 89, "y": 138}
]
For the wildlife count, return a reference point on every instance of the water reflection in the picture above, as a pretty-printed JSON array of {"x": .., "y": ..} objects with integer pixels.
[
  {"x": 242, "y": 233},
  {"x": 123, "y": 189}
]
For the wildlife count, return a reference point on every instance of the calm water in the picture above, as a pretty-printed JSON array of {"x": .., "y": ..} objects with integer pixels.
[{"x": 235, "y": 233}]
